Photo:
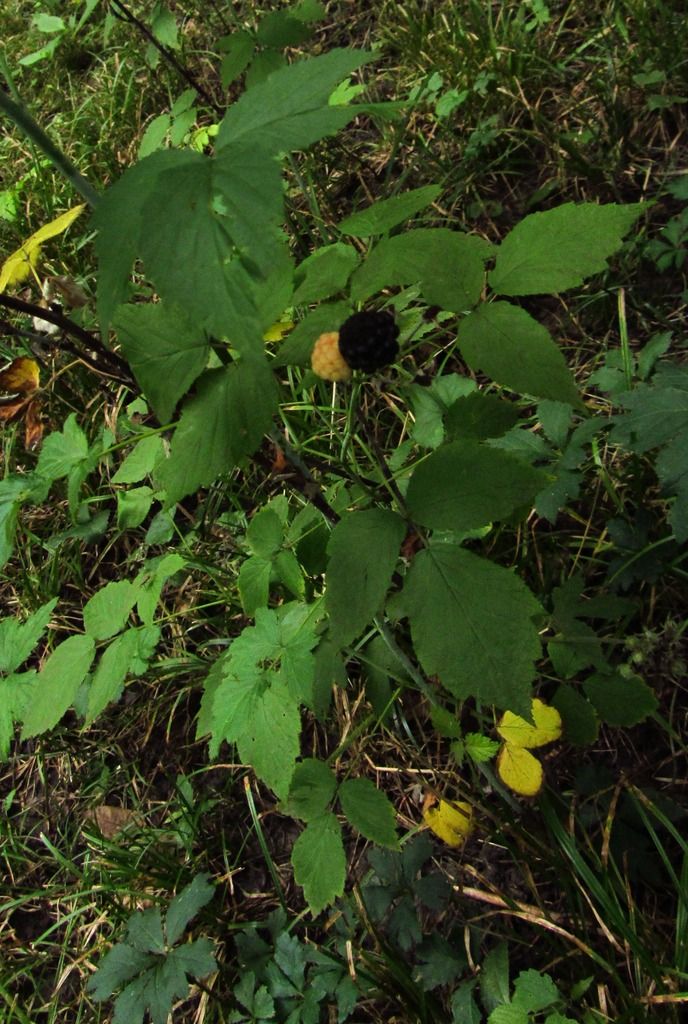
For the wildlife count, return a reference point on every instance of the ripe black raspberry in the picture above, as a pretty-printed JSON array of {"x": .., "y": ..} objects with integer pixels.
[{"x": 368, "y": 340}]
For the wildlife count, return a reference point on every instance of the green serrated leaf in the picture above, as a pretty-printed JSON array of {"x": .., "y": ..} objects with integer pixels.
[
  {"x": 281, "y": 28},
  {"x": 185, "y": 905},
  {"x": 319, "y": 862},
  {"x": 449, "y": 267},
  {"x": 219, "y": 426},
  {"x": 464, "y": 485},
  {"x": 140, "y": 461},
  {"x": 144, "y": 931},
  {"x": 289, "y": 109},
  {"x": 534, "y": 992},
  {"x": 265, "y": 533},
  {"x": 507, "y": 344},
  {"x": 369, "y": 811},
  {"x": 253, "y": 582},
  {"x": 471, "y": 623},
  {"x": 56, "y": 685},
  {"x": 494, "y": 977},
  {"x": 237, "y": 49},
  {"x": 508, "y": 1014},
  {"x": 122, "y": 963},
  {"x": 386, "y": 214},
  {"x": 620, "y": 701},
  {"x": 363, "y": 551},
  {"x": 165, "y": 350},
  {"x": 18, "y": 639},
  {"x": 552, "y": 251},
  {"x": 63, "y": 450},
  {"x": 479, "y": 416},
  {"x": 480, "y": 748},
  {"x": 108, "y": 610},
  {"x": 108, "y": 679},
  {"x": 324, "y": 273},
  {"x": 312, "y": 788},
  {"x": 133, "y": 506}
]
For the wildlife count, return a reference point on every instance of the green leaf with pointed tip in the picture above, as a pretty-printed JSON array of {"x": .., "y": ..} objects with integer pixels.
[
  {"x": 18, "y": 639},
  {"x": 222, "y": 424},
  {"x": 386, "y": 214},
  {"x": 165, "y": 350},
  {"x": 472, "y": 625},
  {"x": 552, "y": 251},
  {"x": 289, "y": 109},
  {"x": 534, "y": 991},
  {"x": 507, "y": 344},
  {"x": 119, "y": 965},
  {"x": 324, "y": 273},
  {"x": 363, "y": 551},
  {"x": 464, "y": 484},
  {"x": 63, "y": 450},
  {"x": 449, "y": 267},
  {"x": 620, "y": 701},
  {"x": 108, "y": 679},
  {"x": 369, "y": 811},
  {"x": 320, "y": 863},
  {"x": 56, "y": 685},
  {"x": 107, "y": 611},
  {"x": 312, "y": 788},
  {"x": 186, "y": 905},
  {"x": 237, "y": 50},
  {"x": 479, "y": 416}
]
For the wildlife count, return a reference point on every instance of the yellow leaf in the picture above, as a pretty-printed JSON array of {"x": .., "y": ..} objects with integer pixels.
[
  {"x": 21, "y": 377},
  {"x": 451, "y": 822},
  {"x": 17, "y": 266},
  {"x": 519, "y": 770},
  {"x": 277, "y": 331},
  {"x": 519, "y": 733}
]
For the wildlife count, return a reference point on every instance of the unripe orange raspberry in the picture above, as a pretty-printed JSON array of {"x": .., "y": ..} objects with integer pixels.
[{"x": 327, "y": 360}]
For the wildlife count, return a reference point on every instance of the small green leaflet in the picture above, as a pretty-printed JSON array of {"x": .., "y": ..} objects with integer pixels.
[
  {"x": 223, "y": 422},
  {"x": 63, "y": 450},
  {"x": 237, "y": 50},
  {"x": 449, "y": 267},
  {"x": 108, "y": 610},
  {"x": 112, "y": 670},
  {"x": 280, "y": 29},
  {"x": 140, "y": 461},
  {"x": 324, "y": 273},
  {"x": 478, "y": 416},
  {"x": 369, "y": 811},
  {"x": 472, "y": 624},
  {"x": 535, "y": 992},
  {"x": 581, "y": 724},
  {"x": 556, "y": 250},
  {"x": 18, "y": 639},
  {"x": 363, "y": 551},
  {"x": 319, "y": 862},
  {"x": 166, "y": 352},
  {"x": 57, "y": 683},
  {"x": 313, "y": 786},
  {"x": 508, "y": 345},
  {"x": 289, "y": 110},
  {"x": 254, "y": 692},
  {"x": 464, "y": 485},
  {"x": 656, "y": 416},
  {"x": 388, "y": 213}
]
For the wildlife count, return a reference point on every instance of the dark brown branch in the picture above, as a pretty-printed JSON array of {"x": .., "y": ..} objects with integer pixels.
[{"x": 117, "y": 366}]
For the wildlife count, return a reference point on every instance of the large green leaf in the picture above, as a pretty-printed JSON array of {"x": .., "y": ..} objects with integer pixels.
[
  {"x": 508, "y": 345},
  {"x": 387, "y": 213},
  {"x": 120, "y": 219},
  {"x": 363, "y": 551},
  {"x": 465, "y": 484},
  {"x": 472, "y": 625},
  {"x": 558, "y": 249},
  {"x": 312, "y": 787},
  {"x": 289, "y": 110},
  {"x": 223, "y": 422},
  {"x": 205, "y": 218},
  {"x": 449, "y": 267},
  {"x": 319, "y": 862},
  {"x": 56, "y": 684},
  {"x": 165, "y": 350}
]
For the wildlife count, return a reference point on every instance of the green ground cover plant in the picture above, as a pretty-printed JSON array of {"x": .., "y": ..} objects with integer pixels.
[{"x": 275, "y": 602}]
